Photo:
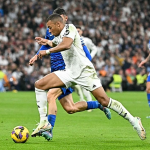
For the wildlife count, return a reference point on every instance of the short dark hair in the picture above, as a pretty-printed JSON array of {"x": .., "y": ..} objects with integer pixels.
[
  {"x": 55, "y": 17},
  {"x": 60, "y": 11}
]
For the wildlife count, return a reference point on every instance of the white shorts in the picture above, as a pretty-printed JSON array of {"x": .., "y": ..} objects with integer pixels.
[{"x": 88, "y": 79}]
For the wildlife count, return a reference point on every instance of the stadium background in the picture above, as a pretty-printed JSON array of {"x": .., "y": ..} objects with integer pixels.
[{"x": 119, "y": 28}]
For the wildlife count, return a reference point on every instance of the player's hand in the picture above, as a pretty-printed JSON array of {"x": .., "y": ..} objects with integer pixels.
[
  {"x": 41, "y": 41},
  {"x": 32, "y": 60},
  {"x": 41, "y": 54},
  {"x": 142, "y": 63}
]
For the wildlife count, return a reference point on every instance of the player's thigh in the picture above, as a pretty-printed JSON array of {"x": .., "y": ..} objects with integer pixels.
[
  {"x": 53, "y": 94},
  {"x": 49, "y": 81},
  {"x": 67, "y": 101}
]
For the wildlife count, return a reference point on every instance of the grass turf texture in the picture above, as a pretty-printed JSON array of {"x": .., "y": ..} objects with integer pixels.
[{"x": 80, "y": 131}]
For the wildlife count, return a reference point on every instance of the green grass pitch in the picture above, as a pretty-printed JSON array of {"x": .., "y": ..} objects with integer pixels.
[{"x": 80, "y": 131}]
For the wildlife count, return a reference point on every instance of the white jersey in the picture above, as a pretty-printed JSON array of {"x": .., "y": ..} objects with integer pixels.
[
  {"x": 90, "y": 45},
  {"x": 74, "y": 58}
]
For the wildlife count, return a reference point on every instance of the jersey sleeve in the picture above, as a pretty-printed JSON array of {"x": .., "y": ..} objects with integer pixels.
[
  {"x": 87, "y": 53},
  {"x": 93, "y": 48},
  {"x": 70, "y": 31}
]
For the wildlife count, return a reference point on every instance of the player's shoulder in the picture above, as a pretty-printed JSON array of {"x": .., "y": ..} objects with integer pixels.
[
  {"x": 86, "y": 38},
  {"x": 70, "y": 26},
  {"x": 68, "y": 29}
]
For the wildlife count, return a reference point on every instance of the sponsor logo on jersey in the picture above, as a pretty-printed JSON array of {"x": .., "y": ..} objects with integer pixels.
[{"x": 67, "y": 30}]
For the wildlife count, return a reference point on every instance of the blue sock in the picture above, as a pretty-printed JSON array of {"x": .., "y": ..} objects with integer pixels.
[
  {"x": 93, "y": 105},
  {"x": 148, "y": 98},
  {"x": 52, "y": 119}
]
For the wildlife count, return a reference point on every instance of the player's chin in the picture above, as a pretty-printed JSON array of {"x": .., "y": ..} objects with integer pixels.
[{"x": 55, "y": 34}]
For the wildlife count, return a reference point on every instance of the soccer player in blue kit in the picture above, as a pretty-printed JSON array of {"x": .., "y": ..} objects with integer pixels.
[
  {"x": 148, "y": 77},
  {"x": 64, "y": 95}
]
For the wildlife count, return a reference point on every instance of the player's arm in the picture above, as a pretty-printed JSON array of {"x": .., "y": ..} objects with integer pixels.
[
  {"x": 87, "y": 53},
  {"x": 44, "y": 42},
  {"x": 43, "y": 47},
  {"x": 144, "y": 61},
  {"x": 64, "y": 45},
  {"x": 93, "y": 49},
  {"x": 147, "y": 58}
]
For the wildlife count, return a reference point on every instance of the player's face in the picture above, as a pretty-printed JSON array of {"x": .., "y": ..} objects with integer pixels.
[
  {"x": 54, "y": 27},
  {"x": 65, "y": 18},
  {"x": 79, "y": 31}
]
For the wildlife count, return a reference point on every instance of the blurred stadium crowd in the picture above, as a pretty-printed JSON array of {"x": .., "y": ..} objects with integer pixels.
[{"x": 119, "y": 28}]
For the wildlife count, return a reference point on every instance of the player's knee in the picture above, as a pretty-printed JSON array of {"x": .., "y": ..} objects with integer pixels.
[
  {"x": 39, "y": 84},
  {"x": 36, "y": 84},
  {"x": 49, "y": 97}
]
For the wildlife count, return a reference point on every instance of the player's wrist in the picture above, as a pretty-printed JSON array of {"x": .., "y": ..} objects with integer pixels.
[
  {"x": 48, "y": 52},
  {"x": 48, "y": 42}
]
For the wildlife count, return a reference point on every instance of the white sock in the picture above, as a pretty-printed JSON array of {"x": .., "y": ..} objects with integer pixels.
[
  {"x": 87, "y": 94},
  {"x": 79, "y": 92},
  {"x": 41, "y": 100},
  {"x": 121, "y": 110}
]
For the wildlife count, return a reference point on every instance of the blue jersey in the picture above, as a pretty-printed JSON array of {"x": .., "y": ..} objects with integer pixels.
[{"x": 57, "y": 62}]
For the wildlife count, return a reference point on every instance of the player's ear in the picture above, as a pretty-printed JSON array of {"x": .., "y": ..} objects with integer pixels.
[
  {"x": 66, "y": 18},
  {"x": 58, "y": 24}
]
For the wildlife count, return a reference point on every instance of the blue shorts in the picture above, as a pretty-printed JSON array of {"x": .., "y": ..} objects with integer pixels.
[
  {"x": 65, "y": 92},
  {"x": 148, "y": 78}
]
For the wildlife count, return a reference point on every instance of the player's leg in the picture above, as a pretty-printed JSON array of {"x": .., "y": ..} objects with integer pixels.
[
  {"x": 89, "y": 80},
  {"x": 52, "y": 95},
  {"x": 88, "y": 96},
  {"x": 41, "y": 100},
  {"x": 79, "y": 92},
  {"x": 148, "y": 91},
  {"x": 70, "y": 107},
  {"x": 47, "y": 82},
  {"x": 115, "y": 105}
]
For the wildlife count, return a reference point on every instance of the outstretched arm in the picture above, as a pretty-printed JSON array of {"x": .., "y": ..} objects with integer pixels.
[
  {"x": 144, "y": 61},
  {"x": 43, "y": 47},
  {"x": 147, "y": 59},
  {"x": 64, "y": 45}
]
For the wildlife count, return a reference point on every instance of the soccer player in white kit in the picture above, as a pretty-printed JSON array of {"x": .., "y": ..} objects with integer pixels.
[{"x": 79, "y": 70}]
